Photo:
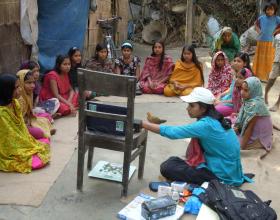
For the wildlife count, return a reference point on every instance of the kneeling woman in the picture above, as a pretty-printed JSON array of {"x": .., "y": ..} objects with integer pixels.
[
  {"x": 218, "y": 141},
  {"x": 19, "y": 151},
  {"x": 254, "y": 122}
]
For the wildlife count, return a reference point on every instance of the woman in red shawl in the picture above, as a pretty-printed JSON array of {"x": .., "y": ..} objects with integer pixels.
[
  {"x": 156, "y": 70},
  {"x": 57, "y": 85},
  {"x": 220, "y": 76}
]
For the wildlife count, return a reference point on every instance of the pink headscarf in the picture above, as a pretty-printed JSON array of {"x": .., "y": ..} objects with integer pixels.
[
  {"x": 219, "y": 79},
  {"x": 236, "y": 96}
]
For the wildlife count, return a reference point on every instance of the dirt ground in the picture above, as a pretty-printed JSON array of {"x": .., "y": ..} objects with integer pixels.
[{"x": 100, "y": 200}]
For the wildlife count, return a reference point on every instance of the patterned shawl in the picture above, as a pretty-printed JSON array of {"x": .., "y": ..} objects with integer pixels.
[
  {"x": 26, "y": 101},
  {"x": 151, "y": 69},
  {"x": 219, "y": 79},
  {"x": 254, "y": 106}
]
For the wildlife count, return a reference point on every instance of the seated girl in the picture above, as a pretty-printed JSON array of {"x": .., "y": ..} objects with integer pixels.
[
  {"x": 254, "y": 122},
  {"x": 186, "y": 75},
  {"x": 39, "y": 126},
  {"x": 230, "y": 101},
  {"x": 76, "y": 61},
  {"x": 100, "y": 61},
  {"x": 56, "y": 84},
  {"x": 40, "y": 108},
  {"x": 156, "y": 70},
  {"x": 213, "y": 133},
  {"x": 220, "y": 76},
  {"x": 127, "y": 64},
  {"x": 19, "y": 151}
]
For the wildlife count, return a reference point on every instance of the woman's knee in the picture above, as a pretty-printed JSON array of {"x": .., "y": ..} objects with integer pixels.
[{"x": 168, "y": 92}]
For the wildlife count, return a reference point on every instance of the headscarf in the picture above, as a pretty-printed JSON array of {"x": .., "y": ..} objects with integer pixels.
[
  {"x": 26, "y": 100},
  {"x": 236, "y": 96},
  {"x": 254, "y": 106},
  {"x": 219, "y": 79},
  {"x": 220, "y": 41}
]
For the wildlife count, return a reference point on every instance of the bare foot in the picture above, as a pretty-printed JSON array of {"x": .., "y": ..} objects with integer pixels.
[
  {"x": 56, "y": 115},
  {"x": 53, "y": 131},
  {"x": 274, "y": 108}
]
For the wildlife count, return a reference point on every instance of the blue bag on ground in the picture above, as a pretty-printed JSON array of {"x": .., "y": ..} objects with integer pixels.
[{"x": 193, "y": 204}]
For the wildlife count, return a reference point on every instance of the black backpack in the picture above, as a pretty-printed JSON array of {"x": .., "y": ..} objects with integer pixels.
[{"x": 232, "y": 203}]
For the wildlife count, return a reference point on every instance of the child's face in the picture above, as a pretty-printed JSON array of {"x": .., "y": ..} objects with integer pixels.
[
  {"x": 76, "y": 57},
  {"x": 126, "y": 52},
  {"x": 239, "y": 79},
  {"x": 188, "y": 56},
  {"x": 270, "y": 11},
  {"x": 17, "y": 90},
  {"x": 65, "y": 66},
  {"x": 36, "y": 73},
  {"x": 194, "y": 110},
  {"x": 220, "y": 61},
  {"x": 245, "y": 92},
  {"x": 238, "y": 64},
  {"x": 29, "y": 85},
  {"x": 102, "y": 54},
  {"x": 158, "y": 49},
  {"x": 227, "y": 37}
]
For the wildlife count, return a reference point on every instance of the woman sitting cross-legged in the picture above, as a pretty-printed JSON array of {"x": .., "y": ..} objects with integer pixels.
[
  {"x": 156, "y": 70},
  {"x": 254, "y": 122},
  {"x": 56, "y": 84},
  {"x": 39, "y": 126},
  {"x": 186, "y": 75},
  {"x": 218, "y": 143},
  {"x": 19, "y": 151}
]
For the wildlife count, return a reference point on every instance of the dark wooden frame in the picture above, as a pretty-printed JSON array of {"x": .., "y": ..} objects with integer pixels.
[{"x": 132, "y": 144}]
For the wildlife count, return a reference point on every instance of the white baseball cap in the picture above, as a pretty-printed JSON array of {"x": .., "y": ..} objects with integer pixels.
[{"x": 199, "y": 94}]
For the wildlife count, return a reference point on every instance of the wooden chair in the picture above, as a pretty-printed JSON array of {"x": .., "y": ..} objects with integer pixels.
[{"x": 132, "y": 144}]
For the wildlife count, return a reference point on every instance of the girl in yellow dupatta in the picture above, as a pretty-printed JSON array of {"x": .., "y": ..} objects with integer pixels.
[
  {"x": 19, "y": 151},
  {"x": 186, "y": 75},
  {"x": 39, "y": 127}
]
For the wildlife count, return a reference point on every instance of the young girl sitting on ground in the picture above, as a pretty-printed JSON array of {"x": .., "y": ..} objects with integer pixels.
[
  {"x": 186, "y": 75},
  {"x": 19, "y": 151},
  {"x": 57, "y": 85},
  {"x": 156, "y": 70},
  {"x": 76, "y": 61},
  {"x": 39, "y": 126},
  {"x": 254, "y": 122},
  {"x": 230, "y": 101},
  {"x": 213, "y": 133},
  {"x": 220, "y": 76},
  {"x": 50, "y": 106},
  {"x": 100, "y": 62},
  {"x": 127, "y": 64}
]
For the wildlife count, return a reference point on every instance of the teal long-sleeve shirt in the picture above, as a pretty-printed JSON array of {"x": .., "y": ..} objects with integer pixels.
[{"x": 221, "y": 147}]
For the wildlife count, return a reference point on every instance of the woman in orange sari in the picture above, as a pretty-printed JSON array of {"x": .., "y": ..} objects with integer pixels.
[{"x": 186, "y": 75}]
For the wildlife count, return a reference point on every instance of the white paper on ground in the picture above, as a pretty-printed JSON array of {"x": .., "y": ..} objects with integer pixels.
[
  {"x": 132, "y": 211},
  {"x": 110, "y": 171}
]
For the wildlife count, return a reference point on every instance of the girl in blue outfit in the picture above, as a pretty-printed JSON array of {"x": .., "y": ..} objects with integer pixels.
[
  {"x": 219, "y": 143},
  {"x": 264, "y": 56}
]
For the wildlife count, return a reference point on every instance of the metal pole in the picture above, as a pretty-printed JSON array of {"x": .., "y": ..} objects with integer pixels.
[{"x": 188, "y": 31}]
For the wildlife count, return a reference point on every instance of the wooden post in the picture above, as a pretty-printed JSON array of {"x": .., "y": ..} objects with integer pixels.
[{"x": 189, "y": 13}]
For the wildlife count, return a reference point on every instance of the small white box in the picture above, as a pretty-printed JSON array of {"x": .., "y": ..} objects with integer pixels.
[{"x": 178, "y": 186}]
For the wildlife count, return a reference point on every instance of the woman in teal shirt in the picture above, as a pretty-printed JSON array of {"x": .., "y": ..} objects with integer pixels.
[{"x": 217, "y": 139}]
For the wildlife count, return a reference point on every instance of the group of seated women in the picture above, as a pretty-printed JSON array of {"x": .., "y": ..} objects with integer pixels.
[{"x": 232, "y": 102}]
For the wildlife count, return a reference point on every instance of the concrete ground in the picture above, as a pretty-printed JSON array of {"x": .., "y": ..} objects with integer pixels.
[{"x": 101, "y": 200}]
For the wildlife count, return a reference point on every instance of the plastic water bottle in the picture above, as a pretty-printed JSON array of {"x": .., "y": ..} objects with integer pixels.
[{"x": 109, "y": 51}]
